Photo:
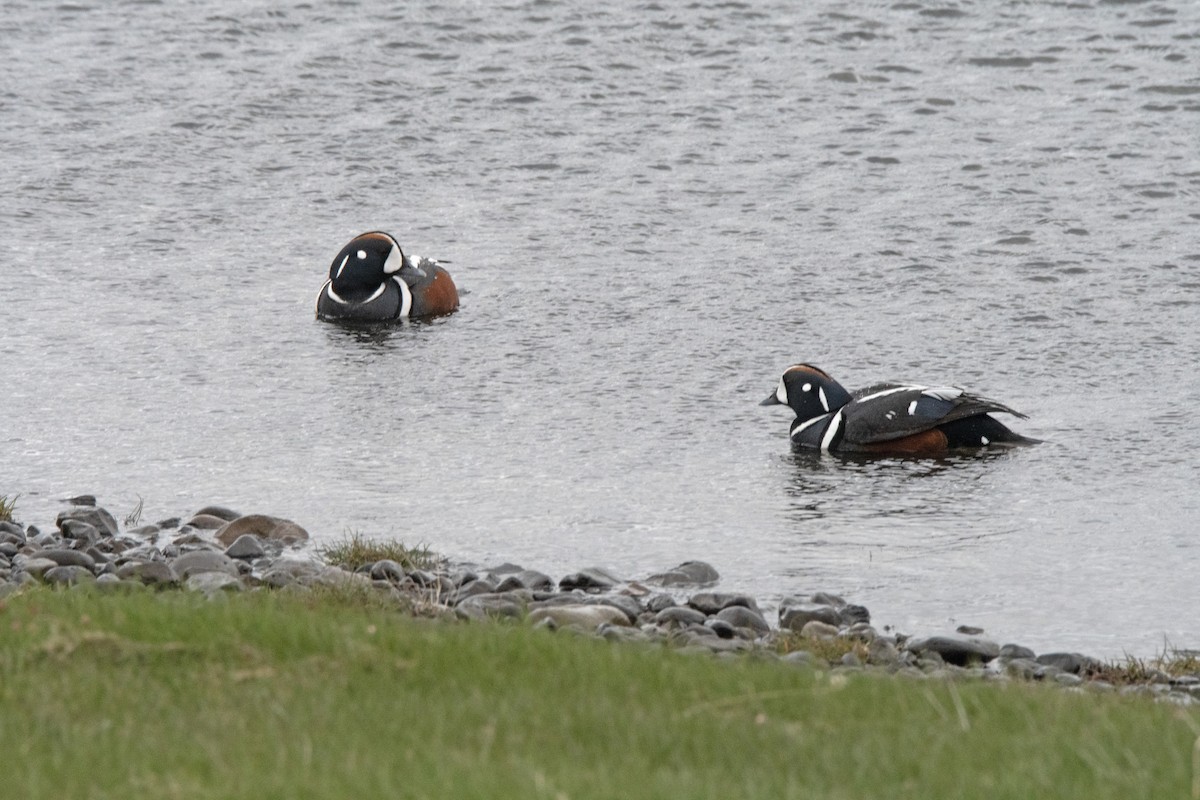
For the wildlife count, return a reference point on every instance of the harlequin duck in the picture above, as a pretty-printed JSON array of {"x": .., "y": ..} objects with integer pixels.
[
  {"x": 888, "y": 418},
  {"x": 372, "y": 280}
]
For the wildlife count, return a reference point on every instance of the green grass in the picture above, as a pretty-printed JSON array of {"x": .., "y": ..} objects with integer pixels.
[
  {"x": 326, "y": 695},
  {"x": 7, "y": 506},
  {"x": 355, "y": 550}
]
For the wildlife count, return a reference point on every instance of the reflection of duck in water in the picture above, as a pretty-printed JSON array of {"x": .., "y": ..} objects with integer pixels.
[{"x": 888, "y": 418}]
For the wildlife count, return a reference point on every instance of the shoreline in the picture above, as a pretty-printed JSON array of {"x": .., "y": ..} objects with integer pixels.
[{"x": 218, "y": 550}]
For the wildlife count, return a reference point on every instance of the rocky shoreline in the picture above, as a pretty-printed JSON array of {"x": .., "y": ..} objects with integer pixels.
[{"x": 218, "y": 550}]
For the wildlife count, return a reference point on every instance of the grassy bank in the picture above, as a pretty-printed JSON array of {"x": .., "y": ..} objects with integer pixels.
[{"x": 292, "y": 696}]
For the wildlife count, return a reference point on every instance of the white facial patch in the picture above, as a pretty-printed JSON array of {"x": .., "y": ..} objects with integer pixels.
[
  {"x": 781, "y": 393},
  {"x": 362, "y": 255},
  {"x": 334, "y": 296},
  {"x": 342, "y": 266},
  {"x": 984, "y": 440},
  {"x": 393, "y": 262},
  {"x": 821, "y": 395},
  {"x": 807, "y": 387},
  {"x": 912, "y": 408}
]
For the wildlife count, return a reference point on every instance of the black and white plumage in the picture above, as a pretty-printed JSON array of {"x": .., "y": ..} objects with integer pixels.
[
  {"x": 372, "y": 280},
  {"x": 888, "y": 418}
]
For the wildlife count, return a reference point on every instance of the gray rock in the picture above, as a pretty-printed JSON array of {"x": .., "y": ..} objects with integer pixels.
[
  {"x": 198, "y": 561},
  {"x": 720, "y": 627},
  {"x": 68, "y": 576},
  {"x": 289, "y": 571},
  {"x": 220, "y": 512},
  {"x": 484, "y": 606},
  {"x": 34, "y": 565},
  {"x": 247, "y": 547},
  {"x": 212, "y": 582},
  {"x": 340, "y": 578},
  {"x": 70, "y": 558},
  {"x": 145, "y": 531},
  {"x": 679, "y": 616},
  {"x": 387, "y": 569},
  {"x": 263, "y": 526},
  {"x": 80, "y": 531},
  {"x": 794, "y": 615},
  {"x": 742, "y": 617},
  {"x": 588, "y": 617},
  {"x": 590, "y": 578},
  {"x": 884, "y": 651},
  {"x": 799, "y": 658},
  {"x": 956, "y": 649},
  {"x": 1010, "y": 651},
  {"x": 8, "y": 549},
  {"x": 150, "y": 573},
  {"x": 712, "y": 602},
  {"x": 695, "y": 573},
  {"x": 206, "y": 522},
  {"x": 472, "y": 588},
  {"x": 659, "y": 602},
  {"x": 98, "y": 518},
  {"x": 526, "y": 579},
  {"x": 1075, "y": 663},
  {"x": 816, "y": 629},
  {"x": 82, "y": 500}
]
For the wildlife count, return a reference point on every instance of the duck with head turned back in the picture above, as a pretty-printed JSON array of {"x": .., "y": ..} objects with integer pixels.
[
  {"x": 888, "y": 418},
  {"x": 372, "y": 280}
]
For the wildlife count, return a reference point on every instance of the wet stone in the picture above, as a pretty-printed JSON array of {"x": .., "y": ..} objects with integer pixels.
[
  {"x": 720, "y": 627},
  {"x": 206, "y": 522},
  {"x": 80, "y": 531},
  {"x": 689, "y": 573},
  {"x": 151, "y": 573},
  {"x": 261, "y": 525},
  {"x": 680, "y": 616},
  {"x": 212, "y": 582},
  {"x": 387, "y": 569},
  {"x": 68, "y": 558},
  {"x": 956, "y": 649},
  {"x": 221, "y": 512},
  {"x": 8, "y": 549},
  {"x": 1011, "y": 651},
  {"x": 590, "y": 578},
  {"x": 10, "y": 531},
  {"x": 82, "y": 500},
  {"x": 816, "y": 629},
  {"x": 588, "y": 617},
  {"x": 712, "y": 602},
  {"x": 1075, "y": 663},
  {"x": 98, "y": 518},
  {"x": 660, "y": 602},
  {"x": 742, "y": 617},
  {"x": 794, "y": 615},
  {"x": 483, "y": 606},
  {"x": 198, "y": 561},
  {"x": 68, "y": 576},
  {"x": 245, "y": 547},
  {"x": 34, "y": 565}
]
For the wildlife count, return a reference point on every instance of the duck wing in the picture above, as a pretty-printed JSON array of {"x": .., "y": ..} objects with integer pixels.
[{"x": 892, "y": 411}]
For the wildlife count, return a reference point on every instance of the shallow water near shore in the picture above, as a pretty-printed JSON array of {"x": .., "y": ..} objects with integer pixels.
[{"x": 650, "y": 211}]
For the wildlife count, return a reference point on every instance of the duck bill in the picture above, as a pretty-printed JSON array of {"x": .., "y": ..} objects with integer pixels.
[{"x": 771, "y": 400}]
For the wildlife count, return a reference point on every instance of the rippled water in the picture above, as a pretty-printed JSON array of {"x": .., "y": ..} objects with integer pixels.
[{"x": 651, "y": 209}]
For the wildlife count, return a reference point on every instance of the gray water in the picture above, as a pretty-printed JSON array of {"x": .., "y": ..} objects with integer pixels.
[{"x": 650, "y": 209}]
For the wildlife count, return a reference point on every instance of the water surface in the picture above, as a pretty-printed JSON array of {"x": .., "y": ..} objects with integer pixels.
[{"x": 651, "y": 209}]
